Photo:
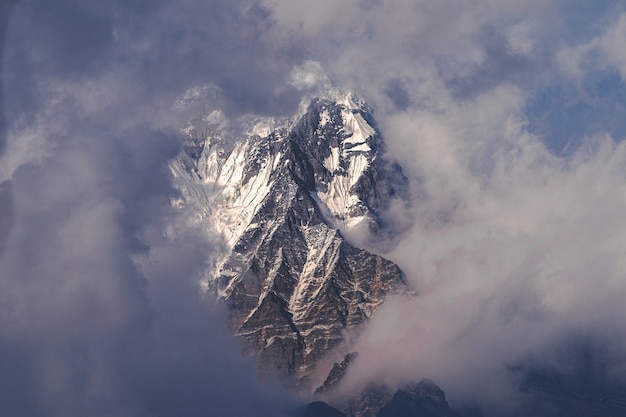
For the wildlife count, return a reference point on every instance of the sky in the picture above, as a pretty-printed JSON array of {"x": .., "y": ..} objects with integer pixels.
[{"x": 507, "y": 117}]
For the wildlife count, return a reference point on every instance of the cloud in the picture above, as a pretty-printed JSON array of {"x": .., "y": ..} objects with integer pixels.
[
  {"x": 153, "y": 50},
  {"x": 515, "y": 250},
  {"x": 100, "y": 312},
  {"x": 515, "y": 253},
  {"x": 5, "y": 187},
  {"x": 500, "y": 64},
  {"x": 99, "y": 308}
]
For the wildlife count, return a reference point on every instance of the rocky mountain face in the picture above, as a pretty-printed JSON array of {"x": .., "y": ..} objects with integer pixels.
[
  {"x": 284, "y": 197},
  {"x": 424, "y": 399}
]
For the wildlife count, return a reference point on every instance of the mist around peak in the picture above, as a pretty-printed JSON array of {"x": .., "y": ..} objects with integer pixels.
[{"x": 506, "y": 117}]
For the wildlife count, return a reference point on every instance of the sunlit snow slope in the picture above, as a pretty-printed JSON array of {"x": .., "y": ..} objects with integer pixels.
[{"x": 282, "y": 199}]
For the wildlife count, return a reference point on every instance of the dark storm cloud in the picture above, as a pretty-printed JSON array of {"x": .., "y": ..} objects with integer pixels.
[
  {"x": 99, "y": 307},
  {"x": 100, "y": 313},
  {"x": 229, "y": 43},
  {"x": 164, "y": 48}
]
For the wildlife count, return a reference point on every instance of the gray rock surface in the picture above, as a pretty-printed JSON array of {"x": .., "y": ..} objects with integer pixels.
[{"x": 283, "y": 201}]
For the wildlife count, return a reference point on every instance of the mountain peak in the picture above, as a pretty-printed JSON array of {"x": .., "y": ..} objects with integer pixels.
[{"x": 283, "y": 198}]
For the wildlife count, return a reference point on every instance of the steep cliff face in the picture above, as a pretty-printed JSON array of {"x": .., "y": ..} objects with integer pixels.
[{"x": 283, "y": 198}]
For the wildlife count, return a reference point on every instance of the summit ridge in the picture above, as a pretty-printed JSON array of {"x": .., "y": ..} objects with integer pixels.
[{"x": 287, "y": 200}]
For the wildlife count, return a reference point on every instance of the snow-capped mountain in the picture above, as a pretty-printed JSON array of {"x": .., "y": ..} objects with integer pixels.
[{"x": 284, "y": 197}]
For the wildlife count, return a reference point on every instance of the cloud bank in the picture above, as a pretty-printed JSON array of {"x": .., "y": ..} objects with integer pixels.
[
  {"x": 100, "y": 312},
  {"x": 517, "y": 249},
  {"x": 508, "y": 120}
]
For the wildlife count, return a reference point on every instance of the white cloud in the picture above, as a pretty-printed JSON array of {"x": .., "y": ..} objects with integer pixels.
[
  {"x": 514, "y": 250},
  {"x": 510, "y": 261},
  {"x": 507, "y": 266}
]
